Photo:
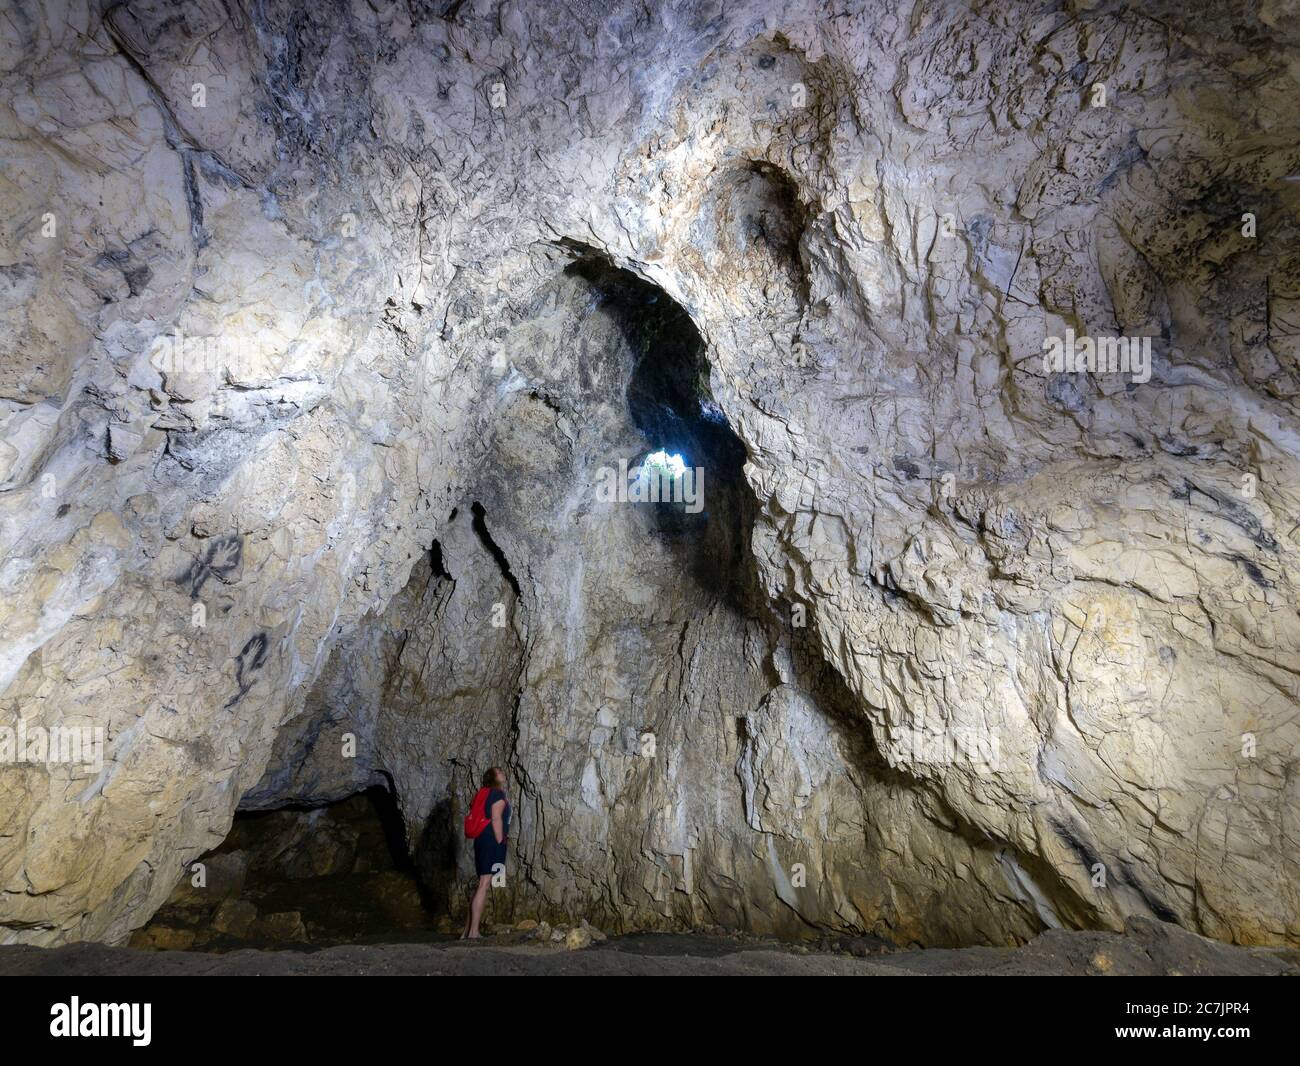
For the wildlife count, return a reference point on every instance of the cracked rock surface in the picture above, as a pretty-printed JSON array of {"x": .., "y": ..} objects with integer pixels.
[{"x": 318, "y": 322}]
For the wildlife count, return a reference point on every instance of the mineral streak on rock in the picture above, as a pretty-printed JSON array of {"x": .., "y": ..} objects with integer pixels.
[{"x": 320, "y": 321}]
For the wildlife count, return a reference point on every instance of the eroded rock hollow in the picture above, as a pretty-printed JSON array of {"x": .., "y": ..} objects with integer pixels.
[{"x": 327, "y": 327}]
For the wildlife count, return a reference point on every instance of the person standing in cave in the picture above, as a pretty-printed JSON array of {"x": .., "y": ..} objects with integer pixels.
[{"x": 491, "y": 813}]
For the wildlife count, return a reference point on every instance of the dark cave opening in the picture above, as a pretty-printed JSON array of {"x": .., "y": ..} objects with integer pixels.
[{"x": 296, "y": 876}]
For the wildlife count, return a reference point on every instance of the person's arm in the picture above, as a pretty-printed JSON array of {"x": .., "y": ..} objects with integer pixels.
[{"x": 498, "y": 812}]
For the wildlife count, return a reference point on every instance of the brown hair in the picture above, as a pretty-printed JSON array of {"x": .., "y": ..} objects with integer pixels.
[{"x": 490, "y": 778}]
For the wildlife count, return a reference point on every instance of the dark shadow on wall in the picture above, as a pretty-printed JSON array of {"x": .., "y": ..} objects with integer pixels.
[{"x": 436, "y": 853}]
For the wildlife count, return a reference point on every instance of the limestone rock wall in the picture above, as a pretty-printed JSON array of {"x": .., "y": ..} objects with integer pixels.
[
  {"x": 274, "y": 304},
  {"x": 677, "y": 757}
]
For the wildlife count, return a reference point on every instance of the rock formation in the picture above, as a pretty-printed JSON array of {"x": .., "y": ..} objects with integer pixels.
[{"x": 324, "y": 323}]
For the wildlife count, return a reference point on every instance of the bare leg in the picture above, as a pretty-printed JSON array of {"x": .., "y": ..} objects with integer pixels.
[{"x": 476, "y": 906}]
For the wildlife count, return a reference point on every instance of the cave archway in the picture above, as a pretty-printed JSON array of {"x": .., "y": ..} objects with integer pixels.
[{"x": 670, "y": 402}]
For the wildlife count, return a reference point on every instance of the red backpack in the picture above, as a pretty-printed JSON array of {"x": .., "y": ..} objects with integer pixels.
[{"x": 477, "y": 820}]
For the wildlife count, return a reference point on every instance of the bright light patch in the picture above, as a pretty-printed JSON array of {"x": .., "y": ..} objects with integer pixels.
[{"x": 661, "y": 462}]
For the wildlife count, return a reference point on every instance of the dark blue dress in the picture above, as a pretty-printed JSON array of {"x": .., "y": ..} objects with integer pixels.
[{"x": 487, "y": 852}]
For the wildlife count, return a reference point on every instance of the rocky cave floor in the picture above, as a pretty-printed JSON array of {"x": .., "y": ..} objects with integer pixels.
[{"x": 1147, "y": 948}]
